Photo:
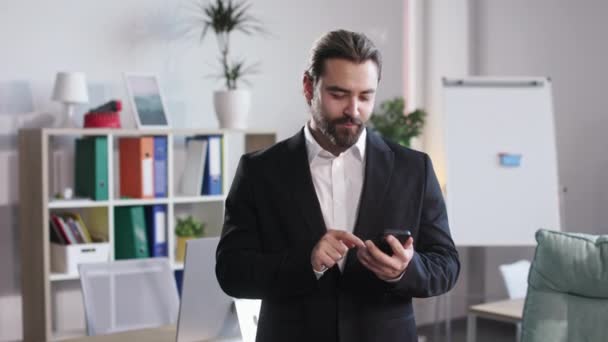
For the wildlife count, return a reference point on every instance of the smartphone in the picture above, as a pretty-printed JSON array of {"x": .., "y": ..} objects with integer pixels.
[{"x": 401, "y": 235}]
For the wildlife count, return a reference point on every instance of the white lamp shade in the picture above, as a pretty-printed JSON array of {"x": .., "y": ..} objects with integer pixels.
[{"x": 71, "y": 87}]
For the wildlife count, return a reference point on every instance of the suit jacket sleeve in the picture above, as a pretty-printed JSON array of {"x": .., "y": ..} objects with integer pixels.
[
  {"x": 243, "y": 268},
  {"x": 435, "y": 266}
]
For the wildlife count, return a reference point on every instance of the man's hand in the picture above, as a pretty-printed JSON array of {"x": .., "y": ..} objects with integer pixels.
[
  {"x": 332, "y": 247},
  {"x": 384, "y": 266}
]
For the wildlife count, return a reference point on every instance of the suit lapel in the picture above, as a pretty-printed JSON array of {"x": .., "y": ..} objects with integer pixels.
[
  {"x": 379, "y": 161},
  {"x": 378, "y": 171},
  {"x": 301, "y": 187}
]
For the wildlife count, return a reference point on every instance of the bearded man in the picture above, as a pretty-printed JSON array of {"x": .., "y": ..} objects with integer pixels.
[{"x": 301, "y": 216}]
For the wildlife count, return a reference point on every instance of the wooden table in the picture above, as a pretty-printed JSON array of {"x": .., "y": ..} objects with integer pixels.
[
  {"x": 162, "y": 334},
  {"x": 504, "y": 310}
]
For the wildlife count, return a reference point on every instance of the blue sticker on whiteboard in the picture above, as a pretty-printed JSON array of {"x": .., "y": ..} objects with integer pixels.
[{"x": 509, "y": 159}]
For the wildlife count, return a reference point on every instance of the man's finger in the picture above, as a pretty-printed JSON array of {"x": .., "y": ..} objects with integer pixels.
[
  {"x": 336, "y": 244},
  {"x": 369, "y": 266},
  {"x": 326, "y": 260},
  {"x": 366, "y": 260},
  {"x": 369, "y": 262},
  {"x": 396, "y": 246},
  {"x": 348, "y": 238},
  {"x": 319, "y": 262},
  {"x": 364, "y": 255},
  {"x": 380, "y": 257},
  {"x": 409, "y": 243},
  {"x": 349, "y": 244},
  {"x": 332, "y": 252}
]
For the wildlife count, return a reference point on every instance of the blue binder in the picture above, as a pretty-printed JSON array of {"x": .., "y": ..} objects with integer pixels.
[
  {"x": 160, "y": 166},
  {"x": 156, "y": 227},
  {"x": 212, "y": 178}
]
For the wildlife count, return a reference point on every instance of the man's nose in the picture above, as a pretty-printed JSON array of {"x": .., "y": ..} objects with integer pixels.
[{"x": 352, "y": 109}]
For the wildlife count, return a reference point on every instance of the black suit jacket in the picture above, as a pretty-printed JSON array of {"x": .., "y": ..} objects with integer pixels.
[{"x": 273, "y": 220}]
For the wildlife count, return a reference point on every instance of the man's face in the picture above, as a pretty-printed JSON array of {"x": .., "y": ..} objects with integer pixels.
[{"x": 342, "y": 100}]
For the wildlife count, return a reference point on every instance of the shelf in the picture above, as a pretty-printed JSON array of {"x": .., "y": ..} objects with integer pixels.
[
  {"x": 177, "y": 266},
  {"x": 87, "y": 203},
  {"x": 63, "y": 276},
  {"x": 43, "y": 153},
  {"x": 199, "y": 199},
  {"x": 146, "y": 132},
  {"x": 76, "y": 203},
  {"x": 140, "y": 201}
]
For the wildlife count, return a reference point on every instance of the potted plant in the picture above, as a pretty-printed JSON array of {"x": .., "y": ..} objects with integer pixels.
[
  {"x": 393, "y": 123},
  {"x": 187, "y": 229},
  {"x": 224, "y": 17}
]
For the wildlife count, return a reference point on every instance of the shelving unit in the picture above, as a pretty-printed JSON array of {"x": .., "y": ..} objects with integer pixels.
[{"x": 39, "y": 175}]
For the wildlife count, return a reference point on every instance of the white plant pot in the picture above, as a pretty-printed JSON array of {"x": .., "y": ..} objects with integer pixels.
[{"x": 232, "y": 108}]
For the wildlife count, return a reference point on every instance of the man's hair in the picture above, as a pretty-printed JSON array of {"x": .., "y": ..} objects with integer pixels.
[{"x": 352, "y": 46}]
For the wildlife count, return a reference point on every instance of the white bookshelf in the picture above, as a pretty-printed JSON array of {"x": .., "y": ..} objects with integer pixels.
[
  {"x": 81, "y": 203},
  {"x": 133, "y": 202},
  {"x": 39, "y": 175},
  {"x": 198, "y": 199}
]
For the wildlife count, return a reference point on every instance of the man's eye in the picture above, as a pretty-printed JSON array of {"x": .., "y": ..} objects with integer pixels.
[
  {"x": 364, "y": 98},
  {"x": 337, "y": 95}
]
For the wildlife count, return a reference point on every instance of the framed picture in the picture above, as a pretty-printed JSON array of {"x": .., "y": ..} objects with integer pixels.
[{"x": 146, "y": 100}]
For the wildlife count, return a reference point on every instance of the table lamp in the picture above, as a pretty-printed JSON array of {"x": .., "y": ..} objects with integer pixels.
[{"x": 70, "y": 89}]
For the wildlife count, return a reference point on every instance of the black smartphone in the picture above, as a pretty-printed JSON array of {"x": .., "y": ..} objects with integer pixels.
[{"x": 401, "y": 235}]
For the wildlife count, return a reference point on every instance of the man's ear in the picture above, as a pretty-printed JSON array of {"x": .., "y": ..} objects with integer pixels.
[{"x": 308, "y": 87}]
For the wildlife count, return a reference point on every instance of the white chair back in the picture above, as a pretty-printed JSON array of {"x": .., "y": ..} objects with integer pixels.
[
  {"x": 128, "y": 294},
  {"x": 515, "y": 276}
]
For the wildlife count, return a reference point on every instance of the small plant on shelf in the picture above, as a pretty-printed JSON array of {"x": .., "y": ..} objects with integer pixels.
[
  {"x": 189, "y": 227},
  {"x": 186, "y": 229}
]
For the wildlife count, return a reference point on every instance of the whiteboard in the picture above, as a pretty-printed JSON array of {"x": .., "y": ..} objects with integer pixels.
[{"x": 491, "y": 204}]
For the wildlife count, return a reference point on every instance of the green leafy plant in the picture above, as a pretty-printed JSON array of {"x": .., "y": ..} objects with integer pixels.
[
  {"x": 189, "y": 227},
  {"x": 224, "y": 17},
  {"x": 393, "y": 123}
]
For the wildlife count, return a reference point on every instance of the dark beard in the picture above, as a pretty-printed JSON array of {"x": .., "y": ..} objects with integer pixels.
[{"x": 340, "y": 139}]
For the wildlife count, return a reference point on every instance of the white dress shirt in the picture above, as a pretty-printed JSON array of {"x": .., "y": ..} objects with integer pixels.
[{"x": 338, "y": 182}]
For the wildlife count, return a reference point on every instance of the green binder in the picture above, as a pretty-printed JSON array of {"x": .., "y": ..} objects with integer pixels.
[
  {"x": 91, "y": 162},
  {"x": 130, "y": 241}
]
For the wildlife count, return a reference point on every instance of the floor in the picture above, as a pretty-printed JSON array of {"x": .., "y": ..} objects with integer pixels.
[{"x": 487, "y": 330}]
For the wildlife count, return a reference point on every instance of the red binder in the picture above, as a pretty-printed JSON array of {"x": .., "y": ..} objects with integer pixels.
[{"x": 136, "y": 167}]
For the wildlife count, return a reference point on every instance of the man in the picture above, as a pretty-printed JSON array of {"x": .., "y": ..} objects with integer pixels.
[{"x": 300, "y": 216}]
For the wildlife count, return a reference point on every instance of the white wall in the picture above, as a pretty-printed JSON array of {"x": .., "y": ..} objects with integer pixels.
[
  {"x": 105, "y": 38},
  {"x": 439, "y": 41},
  {"x": 446, "y": 53},
  {"x": 563, "y": 40}
]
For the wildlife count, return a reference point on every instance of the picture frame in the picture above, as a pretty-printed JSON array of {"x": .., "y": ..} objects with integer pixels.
[{"x": 146, "y": 100}]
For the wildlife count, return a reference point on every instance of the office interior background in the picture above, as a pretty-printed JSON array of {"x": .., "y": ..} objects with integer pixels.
[{"x": 421, "y": 41}]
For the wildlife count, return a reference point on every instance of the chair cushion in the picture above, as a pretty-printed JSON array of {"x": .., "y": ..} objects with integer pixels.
[{"x": 567, "y": 297}]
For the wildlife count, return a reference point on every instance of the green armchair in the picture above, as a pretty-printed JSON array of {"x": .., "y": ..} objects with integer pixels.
[{"x": 567, "y": 298}]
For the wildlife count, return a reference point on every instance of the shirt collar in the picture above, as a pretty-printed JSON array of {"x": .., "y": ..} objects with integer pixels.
[{"x": 314, "y": 149}]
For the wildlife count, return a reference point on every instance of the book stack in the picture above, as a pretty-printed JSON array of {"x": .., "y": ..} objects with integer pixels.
[
  {"x": 69, "y": 229},
  {"x": 73, "y": 243}
]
